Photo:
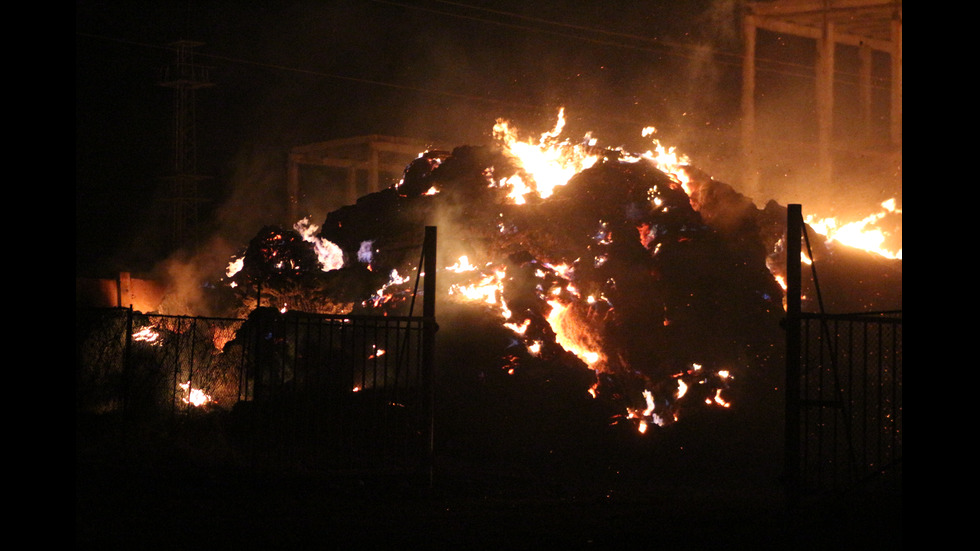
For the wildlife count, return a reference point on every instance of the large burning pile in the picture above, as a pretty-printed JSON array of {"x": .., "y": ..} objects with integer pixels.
[{"x": 656, "y": 284}]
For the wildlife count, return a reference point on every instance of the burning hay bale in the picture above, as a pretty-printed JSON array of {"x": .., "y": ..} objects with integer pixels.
[
  {"x": 659, "y": 283},
  {"x": 292, "y": 269},
  {"x": 614, "y": 272}
]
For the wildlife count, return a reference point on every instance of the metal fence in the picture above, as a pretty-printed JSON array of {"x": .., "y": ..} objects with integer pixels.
[
  {"x": 315, "y": 392},
  {"x": 147, "y": 367},
  {"x": 843, "y": 391},
  {"x": 850, "y": 400},
  {"x": 335, "y": 392}
]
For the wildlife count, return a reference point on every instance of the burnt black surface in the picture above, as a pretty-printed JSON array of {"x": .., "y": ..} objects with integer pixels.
[{"x": 512, "y": 472}]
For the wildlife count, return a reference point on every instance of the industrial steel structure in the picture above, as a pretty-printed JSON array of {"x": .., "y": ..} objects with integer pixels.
[
  {"x": 185, "y": 77},
  {"x": 867, "y": 25},
  {"x": 327, "y": 175}
]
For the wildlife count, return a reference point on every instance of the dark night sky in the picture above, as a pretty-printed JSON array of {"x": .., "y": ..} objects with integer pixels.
[{"x": 293, "y": 72}]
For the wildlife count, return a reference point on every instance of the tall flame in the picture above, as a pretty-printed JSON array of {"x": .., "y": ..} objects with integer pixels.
[{"x": 548, "y": 164}]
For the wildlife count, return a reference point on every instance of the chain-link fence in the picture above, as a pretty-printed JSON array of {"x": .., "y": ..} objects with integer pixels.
[
  {"x": 851, "y": 399},
  {"x": 148, "y": 366},
  {"x": 323, "y": 392}
]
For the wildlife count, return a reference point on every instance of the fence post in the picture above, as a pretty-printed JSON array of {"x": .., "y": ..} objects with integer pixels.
[
  {"x": 794, "y": 234},
  {"x": 127, "y": 378},
  {"x": 429, "y": 329}
]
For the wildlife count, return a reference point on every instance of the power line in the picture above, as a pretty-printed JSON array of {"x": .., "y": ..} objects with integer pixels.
[
  {"x": 319, "y": 73},
  {"x": 670, "y": 47},
  {"x": 645, "y": 44},
  {"x": 653, "y": 44}
]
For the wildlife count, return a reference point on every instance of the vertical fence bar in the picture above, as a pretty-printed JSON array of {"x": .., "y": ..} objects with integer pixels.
[
  {"x": 176, "y": 379},
  {"x": 817, "y": 396},
  {"x": 258, "y": 356},
  {"x": 190, "y": 364},
  {"x": 243, "y": 370},
  {"x": 428, "y": 344},
  {"x": 869, "y": 426},
  {"x": 794, "y": 232},
  {"x": 896, "y": 379},
  {"x": 883, "y": 416},
  {"x": 127, "y": 364}
]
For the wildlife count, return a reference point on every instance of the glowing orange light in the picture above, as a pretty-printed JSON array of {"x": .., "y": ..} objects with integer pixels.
[
  {"x": 862, "y": 234},
  {"x": 195, "y": 396}
]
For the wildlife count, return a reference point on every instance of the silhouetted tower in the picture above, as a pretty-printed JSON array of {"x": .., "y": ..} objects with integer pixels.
[{"x": 185, "y": 77}]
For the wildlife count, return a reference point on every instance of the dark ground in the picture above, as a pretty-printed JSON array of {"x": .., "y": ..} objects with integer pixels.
[{"x": 706, "y": 485}]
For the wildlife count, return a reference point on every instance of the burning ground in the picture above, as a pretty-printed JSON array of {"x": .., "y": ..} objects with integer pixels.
[{"x": 635, "y": 279}]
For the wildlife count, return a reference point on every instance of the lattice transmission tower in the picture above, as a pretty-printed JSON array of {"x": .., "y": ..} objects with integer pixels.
[{"x": 185, "y": 77}]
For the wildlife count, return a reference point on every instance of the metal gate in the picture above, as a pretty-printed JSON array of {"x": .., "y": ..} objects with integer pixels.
[
  {"x": 316, "y": 392},
  {"x": 336, "y": 393},
  {"x": 148, "y": 367},
  {"x": 843, "y": 390}
]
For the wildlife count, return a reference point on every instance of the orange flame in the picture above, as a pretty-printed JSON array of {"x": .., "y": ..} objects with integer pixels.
[
  {"x": 148, "y": 335},
  {"x": 462, "y": 265},
  {"x": 195, "y": 396},
  {"x": 547, "y": 164},
  {"x": 572, "y": 337},
  {"x": 235, "y": 266},
  {"x": 489, "y": 289},
  {"x": 861, "y": 234},
  {"x": 330, "y": 255},
  {"x": 381, "y": 296},
  {"x": 666, "y": 159}
]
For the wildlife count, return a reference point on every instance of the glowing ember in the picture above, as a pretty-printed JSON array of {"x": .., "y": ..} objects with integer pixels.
[
  {"x": 195, "y": 396},
  {"x": 148, "y": 335},
  {"x": 534, "y": 348},
  {"x": 681, "y": 388},
  {"x": 572, "y": 337},
  {"x": 563, "y": 270},
  {"x": 382, "y": 295},
  {"x": 519, "y": 329},
  {"x": 646, "y": 415},
  {"x": 489, "y": 289},
  {"x": 462, "y": 265},
  {"x": 719, "y": 400}
]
